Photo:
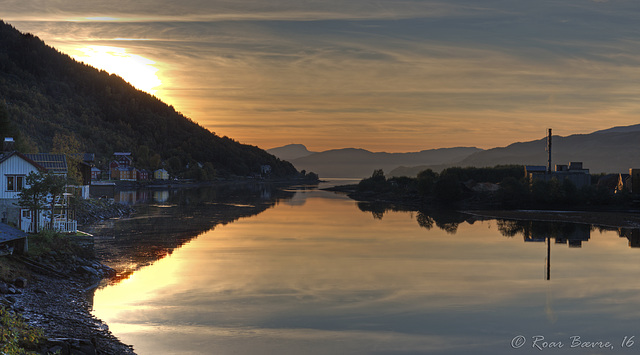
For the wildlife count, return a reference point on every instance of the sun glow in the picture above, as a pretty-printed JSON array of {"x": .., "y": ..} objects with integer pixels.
[{"x": 137, "y": 70}]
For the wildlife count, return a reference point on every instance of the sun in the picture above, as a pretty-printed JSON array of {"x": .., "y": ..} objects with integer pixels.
[{"x": 137, "y": 70}]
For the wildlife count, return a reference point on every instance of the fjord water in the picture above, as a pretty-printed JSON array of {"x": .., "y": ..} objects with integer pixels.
[{"x": 317, "y": 273}]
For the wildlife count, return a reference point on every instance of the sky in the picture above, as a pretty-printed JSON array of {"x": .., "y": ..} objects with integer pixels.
[{"x": 383, "y": 75}]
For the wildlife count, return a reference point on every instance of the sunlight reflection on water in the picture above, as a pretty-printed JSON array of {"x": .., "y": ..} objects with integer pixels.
[{"x": 323, "y": 276}]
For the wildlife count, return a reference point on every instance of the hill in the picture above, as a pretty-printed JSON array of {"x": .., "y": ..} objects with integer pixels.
[
  {"x": 290, "y": 151},
  {"x": 46, "y": 93},
  {"x": 360, "y": 163},
  {"x": 609, "y": 151}
]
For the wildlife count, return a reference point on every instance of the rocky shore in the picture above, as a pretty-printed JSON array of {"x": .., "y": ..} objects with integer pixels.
[
  {"x": 52, "y": 288},
  {"x": 55, "y": 294},
  {"x": 94, "y": 210}
]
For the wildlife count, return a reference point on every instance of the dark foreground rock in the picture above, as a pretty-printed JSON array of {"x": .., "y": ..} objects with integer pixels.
[{"x": 56, "y": 296}]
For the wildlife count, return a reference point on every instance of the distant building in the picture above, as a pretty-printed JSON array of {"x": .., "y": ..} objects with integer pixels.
[
  {"x": 634, "y": 186},
  {"x": 161, "y": 174},
  {"x": 265, "y": 170},
  {"x": 123, "y": 158},
  {"x": 573, "y": 172},
  {"x": 142, "y": 174},
  {"x": 127, "y": 173},
  {"x": 95, "y": 174}
]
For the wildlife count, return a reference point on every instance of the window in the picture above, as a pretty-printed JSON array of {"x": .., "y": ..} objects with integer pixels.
[{"x": 15, "y": 182}]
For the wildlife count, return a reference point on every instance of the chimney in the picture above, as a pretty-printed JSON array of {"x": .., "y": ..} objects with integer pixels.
[
  {"x": 549, "y": 150},
  {"x": 8, "y": 145}
]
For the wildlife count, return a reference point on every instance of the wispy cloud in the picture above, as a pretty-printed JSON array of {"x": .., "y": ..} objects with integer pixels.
[{"x": 396, "y": 68}]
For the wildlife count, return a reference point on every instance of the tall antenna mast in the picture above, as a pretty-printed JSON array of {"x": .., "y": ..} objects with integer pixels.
[{"x": 549, "y": 150}]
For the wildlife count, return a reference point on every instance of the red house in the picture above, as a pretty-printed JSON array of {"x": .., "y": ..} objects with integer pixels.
[{"x": 142, "y": 174}]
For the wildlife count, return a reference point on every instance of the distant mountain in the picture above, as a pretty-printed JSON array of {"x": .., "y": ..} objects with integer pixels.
[
  {"x": 360, "y": 163},
  {"x": 621, "y": 129},
  {"x": 44, "y": 92},
  {"x": 609, "y": 151},
  {"x": 290, "y": 152}
]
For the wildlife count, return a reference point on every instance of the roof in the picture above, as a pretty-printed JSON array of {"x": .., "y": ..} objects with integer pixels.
[
  {"x": 54, "y": 163},
  {"x": 535, "y": 168},
  {"x": 8, "y": 233},
  {"x": 4, "y": 157},
  {"x": 122, "y": 153},
  {"x": 95, "y": 169},
  {"x": 85, "y": 157}
]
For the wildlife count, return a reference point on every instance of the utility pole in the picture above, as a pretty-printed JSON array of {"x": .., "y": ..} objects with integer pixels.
[{"x": 549, "y": 150}]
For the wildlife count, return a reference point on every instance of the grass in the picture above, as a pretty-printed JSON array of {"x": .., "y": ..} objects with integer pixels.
[{"x": 46, "y": 241}]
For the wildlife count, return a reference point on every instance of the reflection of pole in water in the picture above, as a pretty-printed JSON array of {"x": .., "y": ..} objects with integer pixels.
[{"x": 548, "y": 258}]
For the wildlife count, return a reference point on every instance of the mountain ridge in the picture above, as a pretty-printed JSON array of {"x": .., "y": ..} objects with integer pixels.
[
  {"x": 360, "y": 163},
  {"x": 44, "y": 92},
  {"x": 605, "y": 151}
]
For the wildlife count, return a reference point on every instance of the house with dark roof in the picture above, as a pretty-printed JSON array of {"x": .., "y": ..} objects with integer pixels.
[
  {"x": 121, "y": 167},
  {"x": 143, "y": 174},
  {"x": 14, "y": 168}
]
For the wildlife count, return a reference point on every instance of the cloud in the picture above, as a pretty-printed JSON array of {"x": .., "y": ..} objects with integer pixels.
[{"x": 234, "y": 65}]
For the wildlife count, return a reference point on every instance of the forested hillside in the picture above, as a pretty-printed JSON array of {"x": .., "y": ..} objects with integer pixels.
[{"x": 46, "y": 93}]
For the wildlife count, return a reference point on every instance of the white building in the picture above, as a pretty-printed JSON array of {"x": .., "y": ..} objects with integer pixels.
[{"x": 14, "y": 169}]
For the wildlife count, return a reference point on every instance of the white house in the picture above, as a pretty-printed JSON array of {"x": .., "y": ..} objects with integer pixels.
[{"x": 14, "y": 168}]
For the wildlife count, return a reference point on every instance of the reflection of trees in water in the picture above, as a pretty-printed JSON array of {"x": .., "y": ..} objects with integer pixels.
[
  {"x": 156, "y": 230},
  {"x": 569, "y": 233},
  {"x": 447, "y": 221}
]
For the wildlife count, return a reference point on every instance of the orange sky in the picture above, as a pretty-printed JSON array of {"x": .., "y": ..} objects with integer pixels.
[{"x": 380, "y": 75}]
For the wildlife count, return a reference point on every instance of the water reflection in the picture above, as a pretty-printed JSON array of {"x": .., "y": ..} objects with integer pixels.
[
  {"x": 316, "y": 275},
  {"x": 166, "y": 219},
  {"x": 448, "y": 221}
]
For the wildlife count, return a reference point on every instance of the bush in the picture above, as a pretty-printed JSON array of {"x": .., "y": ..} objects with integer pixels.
[
  {"x": 16, "y": 335},
  {"x": 47, "y": 240}
]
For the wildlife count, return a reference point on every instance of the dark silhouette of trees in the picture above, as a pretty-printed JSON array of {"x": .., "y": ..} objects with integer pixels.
[{"x": 453, "y": 188}]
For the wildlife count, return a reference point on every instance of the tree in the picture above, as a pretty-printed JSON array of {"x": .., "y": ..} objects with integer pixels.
[
  {"x": 6, "y": 130},
  {"x": 69, "y": 145},
  {"x": 33, "y": 196},
  {"x": 426, "y": 181},
  {"x": 39, "y": 188}
]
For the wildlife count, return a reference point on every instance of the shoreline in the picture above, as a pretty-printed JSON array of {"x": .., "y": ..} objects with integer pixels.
[
  {"x": 61, "y": 306},
  {"x": 56, "y": 291},
  {"x": 603, "y": 218}
]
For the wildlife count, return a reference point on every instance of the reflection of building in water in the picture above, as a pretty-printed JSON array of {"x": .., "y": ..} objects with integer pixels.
[
  {"x": 132, "y": 197},
  {"x": 571, "y": 234},
  {"x": 633, "y": 235},
  {"x": 161, "y": 196}
]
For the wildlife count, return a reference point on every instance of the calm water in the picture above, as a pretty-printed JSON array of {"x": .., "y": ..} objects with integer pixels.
[{"x": 315, "y": 273}]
